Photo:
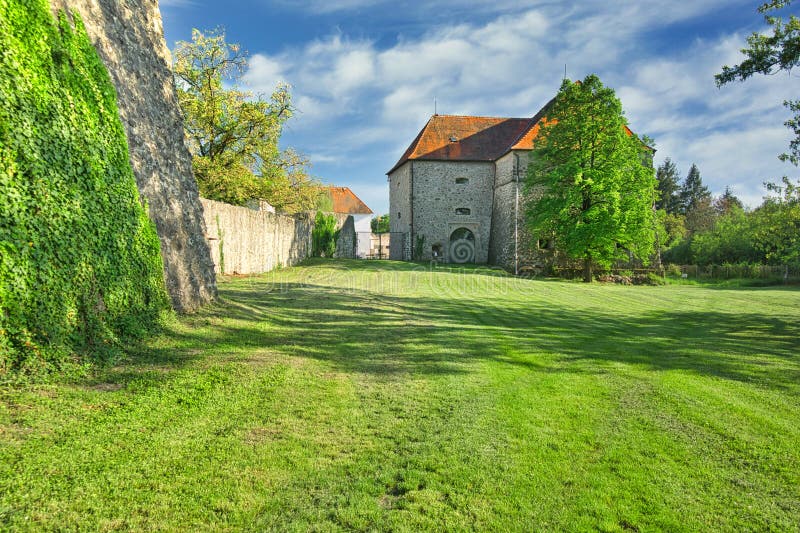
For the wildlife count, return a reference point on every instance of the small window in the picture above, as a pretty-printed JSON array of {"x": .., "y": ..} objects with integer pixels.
[
  {"x": 462, "y": 211},
  {"x": 462, "y": 181},
  {"x": 398, "y": 215}
]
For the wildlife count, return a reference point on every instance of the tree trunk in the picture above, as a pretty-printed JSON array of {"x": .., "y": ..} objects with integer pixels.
[{"x": 587, "y": 269}]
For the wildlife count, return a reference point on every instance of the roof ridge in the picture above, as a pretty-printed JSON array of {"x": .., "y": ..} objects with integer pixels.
[{"x": 479, "y": 116}]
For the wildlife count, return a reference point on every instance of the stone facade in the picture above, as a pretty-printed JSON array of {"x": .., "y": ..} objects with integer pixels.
[
  {"x": 129, "y": 38},
  {"x": 433, "y": 201},
  {"x": 446, "y": 198},
  {"x": 400, "y": 198}
]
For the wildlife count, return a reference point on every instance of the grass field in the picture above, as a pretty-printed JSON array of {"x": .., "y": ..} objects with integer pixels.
[{"x": 366, "y": 395}]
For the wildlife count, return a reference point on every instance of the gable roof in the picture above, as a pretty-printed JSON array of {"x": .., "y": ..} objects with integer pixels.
[
  {"x": 465, "y": 138},
  {"x": 345, "y": 201}
]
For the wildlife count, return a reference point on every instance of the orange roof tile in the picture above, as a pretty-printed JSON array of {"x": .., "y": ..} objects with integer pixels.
[
  {"x": 345, "y": 201},
  {"x": 464, "y": 138}
]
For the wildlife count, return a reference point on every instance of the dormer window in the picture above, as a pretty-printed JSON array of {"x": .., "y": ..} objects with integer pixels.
[
  {"x": 453, "y": 139},
  {"x": 463, "y": 211},
  {"x": 462, "y": 181}
]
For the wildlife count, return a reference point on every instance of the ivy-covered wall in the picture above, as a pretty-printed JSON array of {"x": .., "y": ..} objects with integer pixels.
[
  {"x": 128, "y": 36},
  {"x": 80, "y": 265}
]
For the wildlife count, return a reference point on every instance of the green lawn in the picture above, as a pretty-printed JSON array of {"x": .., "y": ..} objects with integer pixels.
[{"x": 367, "y": 395}]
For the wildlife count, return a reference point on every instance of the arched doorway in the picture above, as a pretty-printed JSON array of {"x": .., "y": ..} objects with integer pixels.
[{"x": 462, "y": 246}]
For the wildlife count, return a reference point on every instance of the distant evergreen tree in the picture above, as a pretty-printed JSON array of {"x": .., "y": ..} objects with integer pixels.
[
  {"x": 728, "y": 201},
  {"x": 668, "y": 187},
  {"x": 693, "y": 193}
]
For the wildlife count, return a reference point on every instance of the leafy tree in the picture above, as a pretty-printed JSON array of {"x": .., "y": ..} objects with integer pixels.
[
  {"x": 768, "y": 54},
  {"x": 671, "y": 228},
  {"x": 668, "y": 187},
  {"x": 727, "y": 202},
  {"x": 590, "y": 181},
  {"x": 233, "y": 134},
  {"x": 777, "y": 223},
  {"x": 324, "y": 235},
  {"x": 693, "y": 193},
  {"x": 380, "y": 224},
  {"x": 728, "y": 241},
  {"x": 701, "y": 217}
]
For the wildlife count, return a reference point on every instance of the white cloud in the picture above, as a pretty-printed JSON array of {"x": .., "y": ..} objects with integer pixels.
[{"x": 357, "y": 97}]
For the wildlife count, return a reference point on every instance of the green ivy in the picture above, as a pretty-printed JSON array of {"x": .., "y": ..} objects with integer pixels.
[{"x": 80, "y": 261}]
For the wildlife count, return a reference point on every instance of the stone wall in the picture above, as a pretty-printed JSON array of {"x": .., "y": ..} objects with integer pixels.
[
  {"x": 246, "y": 241},
  {"x": 346, "y": 243},
  {"x": 129, "y": 38},
  {"x": 438, "y": 194},
  {"x": 512, "y": 245},
  {"x": 400, "y": 211}
]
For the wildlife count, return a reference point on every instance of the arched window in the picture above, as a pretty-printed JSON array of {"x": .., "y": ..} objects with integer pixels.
[
  {"x": 463, "y": 211},
  {"x": 462, "y": 181},
  {"x": 462, "y": 246}
]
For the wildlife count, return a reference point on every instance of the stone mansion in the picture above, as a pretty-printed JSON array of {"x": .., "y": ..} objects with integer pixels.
[{"x": 455, "y": 194}]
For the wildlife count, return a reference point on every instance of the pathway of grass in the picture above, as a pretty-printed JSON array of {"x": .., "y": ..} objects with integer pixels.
[{"x": 365, "y": 395}]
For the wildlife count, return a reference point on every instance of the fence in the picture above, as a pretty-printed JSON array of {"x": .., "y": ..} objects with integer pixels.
[
  {"x": 389, "y": 245},
  {"x": 694, "y": 272},
  {"x": 735, "y": 271}
]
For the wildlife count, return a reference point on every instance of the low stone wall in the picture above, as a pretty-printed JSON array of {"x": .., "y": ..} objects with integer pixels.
[{"x": 246, "y": 241}]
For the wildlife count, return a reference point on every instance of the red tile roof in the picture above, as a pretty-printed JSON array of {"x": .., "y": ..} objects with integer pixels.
[
  {"x": 460, "y": 138},
  {"x": 465, "y": 138},
  {"x": 345, "y": 201}
]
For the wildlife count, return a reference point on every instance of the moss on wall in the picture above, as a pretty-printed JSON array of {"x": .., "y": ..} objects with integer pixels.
[{"x": 80, "y": 264}]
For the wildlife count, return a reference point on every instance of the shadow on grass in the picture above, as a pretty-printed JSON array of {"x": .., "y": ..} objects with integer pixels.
[{"x": 390, "y": 336}]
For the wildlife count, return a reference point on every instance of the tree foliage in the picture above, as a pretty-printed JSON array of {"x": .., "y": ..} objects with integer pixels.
[
  {"x": 727, "y": 202},
  {"x": 80, "y": 261},
  {"x": 769, "y": 54},
  {"x": 380, "y": 224},
  {"x": 668, "y": 187},
  {"x": 693, "y": 193},
  {"x": 234, "y": 135},
  {"x": 324, "y": 235},
  {"x": 591, "y": 180},
  {"x": 777, "y": 229}
]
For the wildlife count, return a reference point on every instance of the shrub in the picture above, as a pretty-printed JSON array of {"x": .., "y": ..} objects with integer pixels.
[
  {"x": 80, "y": 261},
  {"x": 673, "y": 270},
  {"x": 324, "y": 235}
]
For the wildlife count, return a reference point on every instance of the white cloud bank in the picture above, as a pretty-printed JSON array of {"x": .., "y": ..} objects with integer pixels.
[{"x": 359, "y": 101}]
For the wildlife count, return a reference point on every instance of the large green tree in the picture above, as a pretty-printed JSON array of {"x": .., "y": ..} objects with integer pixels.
[
  {"x": 591, "y": 179},
  {"x": 777, "y": 224},
  {"x": 233, "y": 134},
  {"x": 668, "y": 187},
  {"x": 770, "y": 53}
]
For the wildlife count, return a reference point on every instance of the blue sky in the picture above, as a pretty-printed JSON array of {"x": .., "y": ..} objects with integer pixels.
[{"x": 365, "y": 74}]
